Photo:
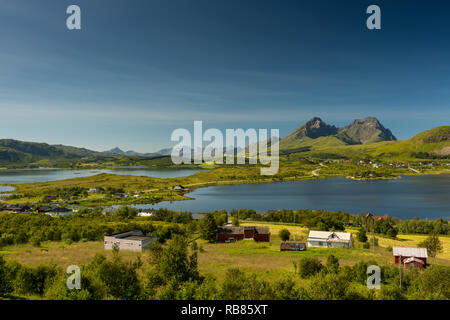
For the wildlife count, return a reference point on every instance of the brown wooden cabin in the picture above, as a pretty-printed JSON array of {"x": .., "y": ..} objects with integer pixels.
[
  {"x": 293, "y": 246},
  {"x": 260, "y": 234}
]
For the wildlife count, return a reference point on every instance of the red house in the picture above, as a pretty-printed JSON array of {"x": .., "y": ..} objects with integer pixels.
[
  {"x": 379, "y": 218},
  {"x": 18, "y": 208},
  {"x": 260, "y": 234},
  {"x": 410, "y": 256}
]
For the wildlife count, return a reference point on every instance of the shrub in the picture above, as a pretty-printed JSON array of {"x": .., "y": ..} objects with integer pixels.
[
  {"x": 362, "y": 236},
  {"x": 433, "y": 245},
  {"x": 309, "y": 266},
  {"x": 433, "y": 283},
  {"x": 284, "y": 234},
  {"x": 5, "y": 280},
  {"x": 332, "y": 264}
]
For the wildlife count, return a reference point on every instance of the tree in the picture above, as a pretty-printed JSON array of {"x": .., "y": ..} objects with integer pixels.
[
  {"x": 433, "y": 245},
  {"x": 391, "y": 232},
  {"x": 284, "y": 234},
  {"x": 208, "y": 227},
  {"x": 174, "y": 263},
  {"x": 332, "y": 264},
  {"x": 120, "y": 278},
  {"x": 331, "y": 287},
  {"x": 433, "y": 283},
  {"x": 309, "y": 266},
  {"x": 362, "y": 236},
  {"x": 5, "y": 281},
  {"x": 235, "y": 222}
]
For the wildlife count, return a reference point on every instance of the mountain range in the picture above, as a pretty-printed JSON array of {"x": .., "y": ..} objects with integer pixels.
[
  {"x": 317, "y": 132},
  {"x": 361, "y": 138},
  {"x": 132, "y": 153}
]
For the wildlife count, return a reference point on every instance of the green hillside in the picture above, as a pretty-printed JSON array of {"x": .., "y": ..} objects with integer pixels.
[
  {"x": 434, "y": 143},
  {"x": 14, "y": 153},
  {"x": 321, "y": 142}
]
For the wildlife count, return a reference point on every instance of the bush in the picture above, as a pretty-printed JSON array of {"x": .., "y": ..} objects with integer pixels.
[
  {"x": 362, "y": 236},
  {"x": 284, "y": 234},
  {"x": 5, "y": 280},
  {"x": 433, "y": 245},
  {"x": 330, "y": 287},
  {"x": 391, "y": 292},
  {"x": 332, "y": 264},
  {"x": 433, "y": 283},
  {"x": 309, "y": 266}
]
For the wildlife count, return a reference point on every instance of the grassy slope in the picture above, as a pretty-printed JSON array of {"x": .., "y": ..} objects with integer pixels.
[
  {"x": 322, "y": 142},
  {"x": 434, "y": 142},
  {"x": 215, "y": 259}
]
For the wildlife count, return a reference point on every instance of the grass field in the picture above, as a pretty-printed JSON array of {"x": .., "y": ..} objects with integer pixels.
[{"x": 215, "y": 259}]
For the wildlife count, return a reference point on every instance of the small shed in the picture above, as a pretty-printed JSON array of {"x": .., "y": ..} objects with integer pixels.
[{"x": 293, "y": 246}]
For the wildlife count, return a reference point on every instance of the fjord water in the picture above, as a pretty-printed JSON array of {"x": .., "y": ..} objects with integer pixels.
[
  {"x": 44, "y": 175},
  {"x": 427, "y": 197},
  {"x": 6, "y": 189}
]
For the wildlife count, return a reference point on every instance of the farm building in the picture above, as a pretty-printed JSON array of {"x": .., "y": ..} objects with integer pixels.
[
  {"x": 59, "y": 212},
  {"x": 410, "y": 256},
  {"x": 260, "y": 234},
  {"x": 18, "y": 208},
  {"x": 379, "y": 218},
  {"x": 145, "y": 213},
  {"x": 94, "y": 190},
  {"x": 292, "y": 246},
  {"x": 44, "y": 209},
  {"x": 329, "y": 239},
  {"x": 129, "y": 240}
]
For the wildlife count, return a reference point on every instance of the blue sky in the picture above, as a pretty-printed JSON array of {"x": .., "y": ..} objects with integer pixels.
[{"x": 140, "y": 69}]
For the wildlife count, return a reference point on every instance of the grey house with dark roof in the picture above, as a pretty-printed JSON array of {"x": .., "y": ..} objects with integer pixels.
[{"x": 129, "y": 240}]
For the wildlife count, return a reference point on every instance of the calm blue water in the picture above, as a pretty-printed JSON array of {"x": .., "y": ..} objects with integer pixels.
[
  {"x": 422, "y": 196},
  {"x": 6, "y": 189},
  {"x": 45, "y": 175}
]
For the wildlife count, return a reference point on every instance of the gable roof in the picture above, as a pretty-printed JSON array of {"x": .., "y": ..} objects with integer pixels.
[
  {"x": 240, "y": 230},
  {"x": 413, "y": 259},
  {"x": 59, "y": 209},
  {"x": 330, "y": 235},
  {"x": 410, "y": 252}
]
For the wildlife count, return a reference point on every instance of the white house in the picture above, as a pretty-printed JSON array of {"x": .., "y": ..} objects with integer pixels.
[
  {"x": 59, "y": 212},
  {"x": 94, "y": 190},
  {"x": 329, "y": 239},
  {"x": 145, "y": 213}
]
